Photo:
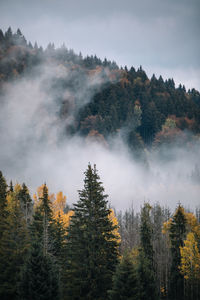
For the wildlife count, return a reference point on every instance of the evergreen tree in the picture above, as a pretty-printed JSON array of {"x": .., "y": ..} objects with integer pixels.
[
  {"x": 92, "y": 248},
  {"x": 59, "y": 254},
  {"x": 26, "y": 202},
  {"x": 125, "y": 281},
  {"x": 39, "y": 277},
  {"x": 42, "y": 227},
  {"x": 3, "y": 203},
  {"x": 146, "y": 270},
  {"x": 14, "y": 246},
  {"x": 177, "y": 234},
  {"x": 3, "y": 228}
]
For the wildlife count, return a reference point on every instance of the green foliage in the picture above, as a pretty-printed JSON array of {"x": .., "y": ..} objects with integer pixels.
[
  {"x": 3, "y": 203},
  {"x": 25, "y": 203},
  {"x": 43, "y": 225},
  {"x": 146, "y": 270},
  {"x": 177, "y": 234},
  {"x": 92, "y": 249},
  {"x": 125, "y": 281},
  {"x": 13, "y": 249},
  {"x": 39, "y": 279}
]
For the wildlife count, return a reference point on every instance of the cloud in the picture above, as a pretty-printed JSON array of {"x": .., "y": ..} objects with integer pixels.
[{"x": 35, "y": 148}]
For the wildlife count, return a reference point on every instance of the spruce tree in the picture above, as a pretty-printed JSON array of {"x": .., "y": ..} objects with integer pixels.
[
  {"x": 3, "y": 204},
  {"x": 92, "y": 248},
  {"x": 42, "y": 226},
  {"x": 14, "y": 246},
  {"x": 59, "y": 254},
  {"x": 146, "y": 270},
  {"x": 3, "y": 229},
  {"x": 177, "y": 234},
  {"x": 125, "y": 281},
  {"x": 26, "y": 203},
  {"x": 39, "y": 277}
]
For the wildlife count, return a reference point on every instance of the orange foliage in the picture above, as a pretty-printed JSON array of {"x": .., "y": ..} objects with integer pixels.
[
  {"x": 58, "y": 206},
  {"x": 114, "y": 220}
]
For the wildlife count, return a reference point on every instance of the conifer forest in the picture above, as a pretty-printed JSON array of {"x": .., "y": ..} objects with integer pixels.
[{"x": 99, "y": 180}]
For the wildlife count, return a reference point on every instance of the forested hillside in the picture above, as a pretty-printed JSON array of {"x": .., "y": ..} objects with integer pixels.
[{"x": 143, "y": 110}]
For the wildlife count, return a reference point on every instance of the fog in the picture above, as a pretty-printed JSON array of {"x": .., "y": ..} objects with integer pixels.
[{"x": 35, "y": 147}]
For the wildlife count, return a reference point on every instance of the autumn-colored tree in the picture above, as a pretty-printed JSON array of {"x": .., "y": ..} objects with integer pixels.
[
  {"x": 190, "y": 266},
  {"x": 58, "y": 209},
  {"x": 190, "y": 258}
]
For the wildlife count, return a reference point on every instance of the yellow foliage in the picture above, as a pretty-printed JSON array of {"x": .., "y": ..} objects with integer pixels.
[
  {"x": 190, "y": 255},
  {"x": 59, "y": 203},
  {"x": 17, "y": 188},
  {"x": 166, "y": 226},
  {"x": 190, "y": 258},
  {"x": 58, "y": 206},
  {"x": 66, "y": 218},
  {"x": 193, "y": 224},
  {"x": 37, "y": 196},
  {"x": 12, "y": 200},
  {"x": 114, "y": 220}
]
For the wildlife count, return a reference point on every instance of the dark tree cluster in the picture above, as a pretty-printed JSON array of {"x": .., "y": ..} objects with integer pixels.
[{"x": 112, "y": 110}]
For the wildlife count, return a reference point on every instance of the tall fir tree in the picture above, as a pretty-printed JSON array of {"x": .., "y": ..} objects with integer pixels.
[
  {"x": 146, "y": 269},
  {"x": 3, "y": 203},
  {"x": 3, "y": 228},
  {"x": 92, "y": 248},
  {"x": 40, "y": 275},
  {"x": 26, "y": 203},
  {"x": 42, "y": 226},
  {"x": 125, "y": 281},
  {"x": 177, "y": 234},
  {"x": 39, "y": 279},
  {"x": 14, "y": 246}
]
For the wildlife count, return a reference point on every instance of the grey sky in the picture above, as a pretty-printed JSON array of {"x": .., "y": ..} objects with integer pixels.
[{"x": 160, "y": 35}]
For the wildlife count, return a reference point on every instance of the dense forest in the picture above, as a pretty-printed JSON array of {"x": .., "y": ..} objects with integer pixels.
[
  {"x": 144, "y": 111},
  {"x": 52, "y": 250}
]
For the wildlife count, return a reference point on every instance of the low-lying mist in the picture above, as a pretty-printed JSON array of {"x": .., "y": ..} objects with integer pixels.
[{"x": 35, "y": 147}]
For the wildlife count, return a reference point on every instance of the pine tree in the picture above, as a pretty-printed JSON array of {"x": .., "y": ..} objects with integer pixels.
[
  {"x": 177, "y": 233},
  {"x": 3, "y": 228},
  {"x": 125, "y": 281},
  {"x": 42, "y": 227},
  {"x": 146, "y": 270},
  {"x": 3, "y": 203},
  {"x": 14, "y": 246},
  {"x": 92, "y": 249},
  {"x": 26, "y": 203},
  {"x": 39, "y": 276},
  {"x": 59, "y": 254}
]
